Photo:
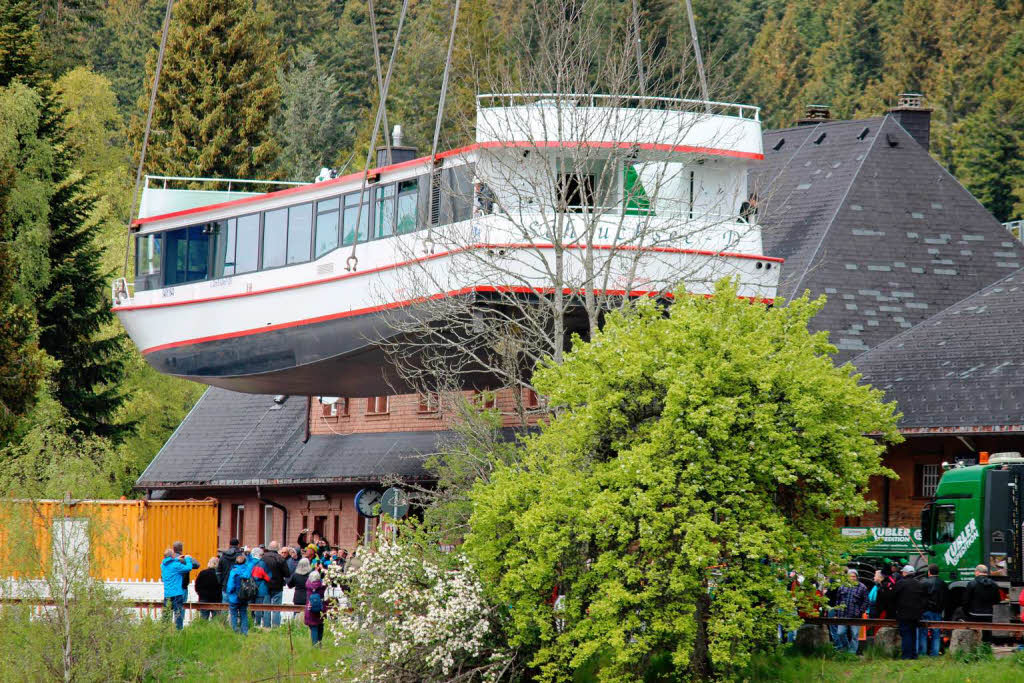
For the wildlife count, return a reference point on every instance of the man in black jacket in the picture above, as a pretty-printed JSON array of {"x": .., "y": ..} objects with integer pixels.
[
  {"x": 227, "y": 561},
  {"x": 981, "y": 594},
  {"x": 277, "y": 568},
  {"x": 908, "y": 602},
  {"x": 929, "y": 640}
]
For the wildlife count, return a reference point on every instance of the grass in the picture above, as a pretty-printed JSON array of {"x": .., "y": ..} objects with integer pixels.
[
  {"x": 210, "y": 651},
  {"x": 787, "y": 666}
]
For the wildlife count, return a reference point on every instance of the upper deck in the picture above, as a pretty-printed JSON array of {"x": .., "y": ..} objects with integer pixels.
[{"x": 641, "y": 123}]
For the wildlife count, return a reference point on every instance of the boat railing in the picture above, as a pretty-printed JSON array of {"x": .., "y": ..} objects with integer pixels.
[
  {"x": 162, "y": 180},
  {"x": 740, "y": 111}
]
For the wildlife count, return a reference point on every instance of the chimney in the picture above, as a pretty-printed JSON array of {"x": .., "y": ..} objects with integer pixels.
[
  {"x": 814, "y": 114},
  {"x": 399, "y": 152},
  {"x": 915, "y": 118}
]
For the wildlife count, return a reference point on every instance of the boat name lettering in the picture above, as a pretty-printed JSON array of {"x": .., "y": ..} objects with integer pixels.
[{"x": 168, "y": 291}]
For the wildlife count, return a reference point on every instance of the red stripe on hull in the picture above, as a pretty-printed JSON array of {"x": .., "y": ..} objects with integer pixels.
[
  {"x": 420, "y": 259},
  {"x": 401, "y": 304}
]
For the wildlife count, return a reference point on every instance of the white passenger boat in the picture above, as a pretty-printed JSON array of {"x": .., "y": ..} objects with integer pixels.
[{"x": 265, "y": 293}]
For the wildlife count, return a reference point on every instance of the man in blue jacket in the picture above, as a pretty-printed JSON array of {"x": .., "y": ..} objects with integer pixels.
[
  {"x": 172, "y": 569},
  {"x": 239, "y": 603}
]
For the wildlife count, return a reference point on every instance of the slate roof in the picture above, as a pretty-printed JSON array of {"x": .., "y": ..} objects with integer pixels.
[
  {"x": 233, "y": 439},
  {"x": 863, "y": 215},
  {"x": 960, "y": 371}
]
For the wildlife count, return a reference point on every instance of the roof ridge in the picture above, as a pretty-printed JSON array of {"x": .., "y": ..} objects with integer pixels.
[
  {"x": 839, "y": 205},
  {"x": 967, "y": 298}
]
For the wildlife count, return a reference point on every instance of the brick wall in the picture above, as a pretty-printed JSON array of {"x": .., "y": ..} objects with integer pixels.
[
  {"x": 403, "y": 414},
  {"x": 905, "y": 499},
  {"x": 341, "y": 521}
]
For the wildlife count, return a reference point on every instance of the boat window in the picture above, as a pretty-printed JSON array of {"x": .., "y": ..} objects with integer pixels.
[
  {"x": 326, "y": 226},
  {"x": 224, "y": 247},
  {"x": 408, "y": 193},
  {"x": 147, "y": 261},
  {"x": 300, "y": 232},
  {"x": 275, "y": 237},
  {"x": 384, "y": 218},
  {"x": 199, "y": 252},
  {"x": 247, "y": 240},
  {"x": 461, "y": 187},
  {"x": 351, "y": 214}
]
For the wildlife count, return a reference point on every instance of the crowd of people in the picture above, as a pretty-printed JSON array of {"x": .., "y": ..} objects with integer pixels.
[
  {"x": 901, "y": 593},
  {"x": 244, "y": 577}
]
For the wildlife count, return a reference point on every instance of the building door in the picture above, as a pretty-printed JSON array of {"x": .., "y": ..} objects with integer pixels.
[{"x": 320, "y": 525}]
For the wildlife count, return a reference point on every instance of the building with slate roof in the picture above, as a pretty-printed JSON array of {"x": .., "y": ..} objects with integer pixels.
[
  {"x": 280, "y": 464},
  {"x": 923, "y": 297},
  {"x": 864, "y": 215},
  {"x": 958, "y": 378}
]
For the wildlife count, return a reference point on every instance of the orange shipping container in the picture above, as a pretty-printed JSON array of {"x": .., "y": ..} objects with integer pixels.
[{"x": 126, "y": 539}]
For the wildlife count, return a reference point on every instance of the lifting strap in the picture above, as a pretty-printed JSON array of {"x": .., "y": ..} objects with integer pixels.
[
  {"x": 145, "y": 136},
  {"x": 429, "y": 241},
  {"x": 700, "y": 59},
  {"x": 352, "y": 262},
  {"x": 380, "y": 84}
]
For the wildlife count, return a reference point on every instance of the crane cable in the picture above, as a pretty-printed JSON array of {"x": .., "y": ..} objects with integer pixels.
[
  {"x": 380, "y": 82},
  {"x": 145, "y": 135},
  {"x": 352, "y": 262},
  {"x": 429, "y": 240},
  {"x": 639, "y": 49},
  {"x": 700, "y": 59}
]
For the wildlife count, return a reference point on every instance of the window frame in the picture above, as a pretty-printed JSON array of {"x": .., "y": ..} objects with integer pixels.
[
  {"x": 926, "y": 472},
  {"x": 428, "y": 403},
  {"x": 312, "y": 233},
  {"x": 373, "y": 403},
  {"x": 338, "y": 227},
  {"x": 334, "y": 410},
  {"x": 936, "y": 528},
  {"x": 485, "y": 400}
]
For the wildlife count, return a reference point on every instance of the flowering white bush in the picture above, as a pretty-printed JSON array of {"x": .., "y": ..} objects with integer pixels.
[{"x": 410, "y": 619}]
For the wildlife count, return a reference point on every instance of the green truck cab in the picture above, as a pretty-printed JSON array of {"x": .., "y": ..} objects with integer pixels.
[{"x": 976, "y": 518}]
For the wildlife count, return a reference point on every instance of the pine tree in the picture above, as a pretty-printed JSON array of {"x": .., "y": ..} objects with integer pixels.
[
  {"x": 67, "y": 295},
  {"x": 842, "y": 65},
  {"x": 74, "y": 313},
  {"x": 778, "y": 65},
  {"x": 218, "y": 94},
  {"x": 989, "y": 143},
  {"x": 20, "y": 54},
  {"x": 22, "y": 365},
  {"x": 310, "y": 127}
]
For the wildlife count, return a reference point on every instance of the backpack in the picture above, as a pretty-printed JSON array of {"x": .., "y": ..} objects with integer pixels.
[
  {"x": 247, "y": 590},
  {"x": 316, "y": 603}
]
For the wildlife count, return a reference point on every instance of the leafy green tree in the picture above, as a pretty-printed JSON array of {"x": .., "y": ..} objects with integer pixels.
[
  {"x": 697, "y": 456},
  {"x": 117, "y": 47},
  {"x": 218, "y": 94}
]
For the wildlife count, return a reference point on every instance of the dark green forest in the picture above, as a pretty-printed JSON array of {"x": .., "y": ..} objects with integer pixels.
[{"x": 276, "y": 89}]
